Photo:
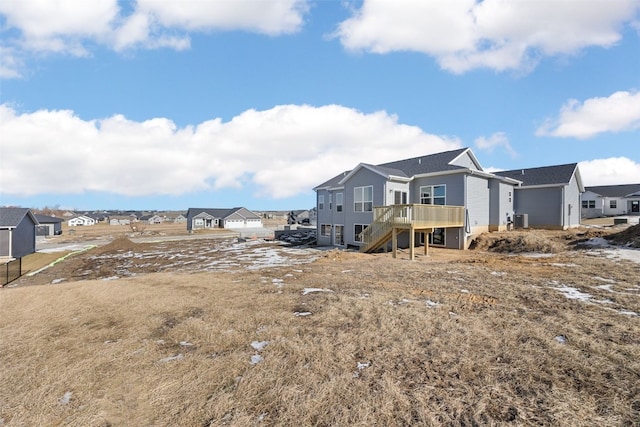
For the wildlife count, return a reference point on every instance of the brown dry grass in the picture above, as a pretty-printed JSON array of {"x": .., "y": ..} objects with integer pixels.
[{"x": 457, "y": 338}]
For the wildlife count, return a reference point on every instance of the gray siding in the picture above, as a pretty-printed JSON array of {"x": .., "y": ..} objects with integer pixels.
[
  {"x": 23, "y": 240},
  {"x": 543, "y": 205},
  {"x": 502, "y": 195},
  {"x": 478, "y": 196},
  {"x": 466, "y": 162},
  {"x": 324, "y": 216},
  {"x": 572, "y": 204},
  {"x": 5, "y": 239},
  {"x": 362, "y": 177},
  {"x": 454, "y": 188}
]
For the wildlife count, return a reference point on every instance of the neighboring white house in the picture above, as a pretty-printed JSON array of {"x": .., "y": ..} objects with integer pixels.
[
  {"x": 180, "y": 219},
  {"x": 203, "y": 218},
  {"x": 611, "y": 200},
  {"x": 81, "y": 220}
]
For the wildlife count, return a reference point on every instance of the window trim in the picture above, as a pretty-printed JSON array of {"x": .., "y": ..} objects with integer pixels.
[
  {"x": 339, "y": 201},
  {"x": 366, "y": 205},
  {"x": 335, "y": 228},
  {"x": 613, "y": 204},
  {"x": 355, "y": 234},
  {"x": 324, "y": 227},
  {"x": 320, "y": 201},
  {"x": 432, "y": 196}
]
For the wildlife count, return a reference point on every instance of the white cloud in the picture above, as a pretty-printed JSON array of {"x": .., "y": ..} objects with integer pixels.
[
  {"x": 619, "y": 112},
  {"x": 71, "y": 26},
  {"x": 498, "y": 139},
  {"x": 611, "y": 171},
  {"x": 498, "y": 34},
  {"x": 284, "y": 151}
]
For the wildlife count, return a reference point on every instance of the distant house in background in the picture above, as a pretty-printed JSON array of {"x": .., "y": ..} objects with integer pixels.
[
  {"x": 611, "y": 200},
  {"x": 119, "y": 220},
  {"x": 17, "y": 232},
  {"x": 153, "y": 219},
  {"x": 81, "y": 220},
  {"x": 205, "y": 218},
  {"x": 180, "y": 219},
  {"x": 48, "y": 225},
  {"x": 549, "y": 196}
]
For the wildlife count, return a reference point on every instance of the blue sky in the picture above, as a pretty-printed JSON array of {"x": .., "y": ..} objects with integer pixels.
[{"x": 153, "y": 104}]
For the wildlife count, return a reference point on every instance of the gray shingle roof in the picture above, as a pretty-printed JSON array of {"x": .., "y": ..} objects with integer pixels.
[
  {"x": 11, "y": 217},
  {"x": 46, "y": 219},
  {"x": 438, "y": 162},
  {"x": 547, "y": 175},
  {"x": 614, "y": 190}
]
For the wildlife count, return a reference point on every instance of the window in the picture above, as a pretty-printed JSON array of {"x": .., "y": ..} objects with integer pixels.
[
  {"x": 433, "y": 195},
  {"x": 330, "y": 201},
  {"x": 400, "y": 198},
  {"x": 339, "y": 202},
  {"x": 437, "y": 237},
  {"x": 509, "y": 196},
  {"x": 357, "y": 229},
  {"x": 589, "y": 204},
  {"x": 325, "y": 230},
  {"x": 321, "y": 202},
  {"x": 363, "y": 199},
  {"x": 613, "y": 204}
]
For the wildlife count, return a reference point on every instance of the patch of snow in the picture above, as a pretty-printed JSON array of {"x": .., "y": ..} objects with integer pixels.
[
  {"x": 307, "y": 291},
  {"x": 111, "y": 278},
  {"x": 537, "y": 255},
  {"x": 185, "y": 344},
  {"x": 561, "y": 339},
  {"x": 66, "y": 398},
  {"x": 256, "y": 358},
  {"x": 302, "y": 313},
  {"x": 464, "y": 291},
  {"x": 178, "y": 356},
  {"x": 602, "y": 279},
  {"x": 259, "y": 345},
  {"x": 605, "y": 288},
  {"x": 559, "y": 264},
  {"x": 628, "y": 313},
  {"x": 431, "y": 304},
  {"x": 498, "y": 273},
  {"x": 573, "y": 293},
  {"x": 597, "y": 241},
  {"x": 363, "y": 365},
  {"x": 56, "y": 281}
]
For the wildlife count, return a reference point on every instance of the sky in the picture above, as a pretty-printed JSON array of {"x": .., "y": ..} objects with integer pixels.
[{"x": 166, "y": 105}]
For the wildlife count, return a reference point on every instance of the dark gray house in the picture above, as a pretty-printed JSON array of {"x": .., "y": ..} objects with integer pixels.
[
  {"x": 17, "y": 232},
  {"x": 48, "y": 225},
  {"x": 549, "y": 196},
  {"x": 206, "y": 218}
]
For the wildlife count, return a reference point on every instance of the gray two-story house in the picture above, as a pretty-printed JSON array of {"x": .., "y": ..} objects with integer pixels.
[{"x": 445, "y": 198}]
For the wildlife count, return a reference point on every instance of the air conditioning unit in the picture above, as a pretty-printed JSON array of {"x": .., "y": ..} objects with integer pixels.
[{"x": 521, "y": 221}]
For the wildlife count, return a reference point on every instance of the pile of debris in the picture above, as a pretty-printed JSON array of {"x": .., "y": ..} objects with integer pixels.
[
  {"x": 517, "y": 242},
  {"x": 629, "y": 237},
  {"x": 301, "y": 236}
]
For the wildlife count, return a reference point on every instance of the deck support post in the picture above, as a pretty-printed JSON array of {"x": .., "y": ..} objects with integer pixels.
[
  {"x": 412, "y": 244},
  {"x": 394, "y": 241}
]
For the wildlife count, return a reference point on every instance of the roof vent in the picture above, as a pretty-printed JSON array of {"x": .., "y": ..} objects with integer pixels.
[
  {"x": 419, "y": 161},
  {"x": 522, "y": 171}
]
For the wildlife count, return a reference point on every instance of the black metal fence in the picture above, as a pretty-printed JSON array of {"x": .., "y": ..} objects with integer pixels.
[{"x": 10, "y": 271}]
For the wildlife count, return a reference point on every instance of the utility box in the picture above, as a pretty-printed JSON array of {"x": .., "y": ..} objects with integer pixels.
[
  {"x": 617, "y": 221},
  {"x": 521, "y": 221}
]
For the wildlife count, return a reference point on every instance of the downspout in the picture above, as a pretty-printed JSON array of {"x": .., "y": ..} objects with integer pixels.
[{"x": 562, "y": 224}]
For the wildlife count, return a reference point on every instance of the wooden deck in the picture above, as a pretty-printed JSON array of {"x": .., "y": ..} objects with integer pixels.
[{"x": 390, "y": 221}]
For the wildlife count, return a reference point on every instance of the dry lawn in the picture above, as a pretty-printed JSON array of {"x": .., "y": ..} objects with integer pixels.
[{"x": 457, "y": 338}]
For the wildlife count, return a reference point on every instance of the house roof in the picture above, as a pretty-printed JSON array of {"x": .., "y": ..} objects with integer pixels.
[
  {"x": 614, "y": 190},
  {"x": 543, "y": 176},
  {"x": 46, "y": 219},
  {"x": 432, "y": 163},
  {"x": 222, "y": 213},
  {"x": 12, "y": 217},
  {"x": 438, "y": 162}
]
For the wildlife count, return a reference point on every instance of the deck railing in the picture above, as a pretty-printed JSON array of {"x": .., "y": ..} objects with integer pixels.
[{"x": 386, "y": 218}]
